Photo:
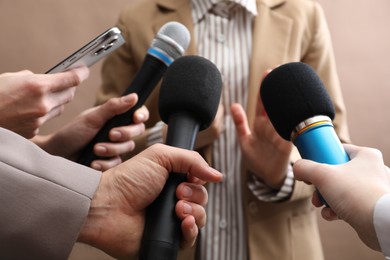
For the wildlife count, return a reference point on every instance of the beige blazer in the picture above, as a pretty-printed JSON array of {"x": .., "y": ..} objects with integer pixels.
[
  {"x": 284, "y": 31},
  {"x": 44, "y": 200}
]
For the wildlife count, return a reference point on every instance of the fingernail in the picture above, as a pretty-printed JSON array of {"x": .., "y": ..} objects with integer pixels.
[
  {"x": 115, "y": 135},
  {"x": 101, "y": 149},
  {"x": 96, "y": 166},
  {"x": 187, "y": 209},
  {"x": 127, "y": 99},
  {"x": 83, "y": 73},
  {"x": 216, "y": 172},
  {"x": 187, "y": 191},
  {"x": 140, "y": 117}
]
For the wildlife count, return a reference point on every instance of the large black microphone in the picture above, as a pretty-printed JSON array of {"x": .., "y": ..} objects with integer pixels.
[
  {"x": 301, "y": 111},
  {"x": 169, "y": 44},
  {"x": 188, "y": 101}
]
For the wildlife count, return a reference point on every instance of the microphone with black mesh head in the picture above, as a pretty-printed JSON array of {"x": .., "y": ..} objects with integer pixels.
[
  {"x": 188, "y": 101},
  {"x": 170, "y": 43},
  {"x": 301, "y": 111}
]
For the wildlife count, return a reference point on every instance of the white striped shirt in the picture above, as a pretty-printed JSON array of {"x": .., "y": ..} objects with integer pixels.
[
  {"x": 226, "y": 40},
  {"x": 223, "y": 33}
]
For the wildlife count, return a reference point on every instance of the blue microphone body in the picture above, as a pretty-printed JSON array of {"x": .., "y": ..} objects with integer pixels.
[{"x": 319, "y": 143}]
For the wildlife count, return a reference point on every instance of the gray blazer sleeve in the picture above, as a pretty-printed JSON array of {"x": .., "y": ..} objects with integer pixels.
[{"x": 44, "y": 200}]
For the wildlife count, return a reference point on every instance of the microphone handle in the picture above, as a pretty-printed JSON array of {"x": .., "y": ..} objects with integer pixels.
[
  {"x": 321, "y": 144},
  {"x": 150, "y": 73},
  {"x": 162, "y": 233}
]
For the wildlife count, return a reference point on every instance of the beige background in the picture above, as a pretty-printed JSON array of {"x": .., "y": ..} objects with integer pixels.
[{"x": 37, "y": 34}]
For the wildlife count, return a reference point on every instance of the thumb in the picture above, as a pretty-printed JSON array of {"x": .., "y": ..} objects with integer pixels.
[
  {"x": 310, "y": 171},
  {"x": 64, "y": 80},
  {"x": 113, "y": 107}
]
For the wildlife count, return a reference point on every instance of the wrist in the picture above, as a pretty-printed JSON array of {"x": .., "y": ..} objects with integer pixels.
[
  {"x": 265, "y": 193},
  {"x": 43, "y": 141},
  {"x": 111, "y": 225},
  {"x": 274, "y": 178},
  {"x": 95, "y": 226}
]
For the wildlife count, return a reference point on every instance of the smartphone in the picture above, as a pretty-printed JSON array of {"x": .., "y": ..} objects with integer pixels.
[{"x": 92, "y": 52}]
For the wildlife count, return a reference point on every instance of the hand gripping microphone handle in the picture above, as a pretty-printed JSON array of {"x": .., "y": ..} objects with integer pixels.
[
  {"x": 188, "y": 101},
  {"x": 143, "y": 84},
  {"x": 319, "y": 142},
  {"x": 162, "y": 234},
  {"x": 169, "y": 44}
]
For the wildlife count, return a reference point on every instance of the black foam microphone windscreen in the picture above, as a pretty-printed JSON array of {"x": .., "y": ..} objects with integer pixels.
[
  {"x": 193, "y": 84},
  {"x": 292, "y": 93}
]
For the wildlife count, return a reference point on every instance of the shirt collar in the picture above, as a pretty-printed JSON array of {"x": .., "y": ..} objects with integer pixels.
[{"x": 201, "y": 7}]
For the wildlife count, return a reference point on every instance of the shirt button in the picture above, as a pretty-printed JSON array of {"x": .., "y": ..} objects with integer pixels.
[
  {"x": 221, "y": 38},
  {"x": 222, "y": 224}
]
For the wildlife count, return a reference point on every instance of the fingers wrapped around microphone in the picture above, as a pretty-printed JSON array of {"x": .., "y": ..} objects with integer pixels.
[{"x": 190, "y": 209}]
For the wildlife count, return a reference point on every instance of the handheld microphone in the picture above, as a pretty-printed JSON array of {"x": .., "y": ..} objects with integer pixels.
[
  {"x": 170, "y": 43},
  {"x": 188, "y": 101},
  {"x": 301, "y": 111}
]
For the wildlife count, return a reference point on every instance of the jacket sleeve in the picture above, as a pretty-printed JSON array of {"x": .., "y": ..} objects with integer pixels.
[
  {"x": 382, "y": 223},
  {"x": 44, "y": 200}
]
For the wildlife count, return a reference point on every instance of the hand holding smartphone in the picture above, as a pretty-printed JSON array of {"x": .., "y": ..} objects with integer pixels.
[{"x": 92, "y": 52}]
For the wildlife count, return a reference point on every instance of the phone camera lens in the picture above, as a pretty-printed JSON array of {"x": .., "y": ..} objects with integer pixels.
[
  {"x": 108, "y": 46},
  {"x": 102, "y": 49}
]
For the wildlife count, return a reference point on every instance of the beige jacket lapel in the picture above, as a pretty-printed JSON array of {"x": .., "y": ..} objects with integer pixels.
[{"x": 267, "y": 53}]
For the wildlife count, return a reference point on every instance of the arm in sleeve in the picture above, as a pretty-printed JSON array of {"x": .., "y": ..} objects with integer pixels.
[
  {"x": 264, "y": 193},
  {"x": 45, "y": 200},
  {"x": 382, "y": 223}
]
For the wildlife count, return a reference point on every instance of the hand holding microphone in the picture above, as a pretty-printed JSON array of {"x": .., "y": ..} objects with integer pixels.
[
  {"x": 170, "y": 43},
  {"x": 188, "y": 101},
  {"x": 351, "y": 189},
  {"x": 301, "y": 111}
]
